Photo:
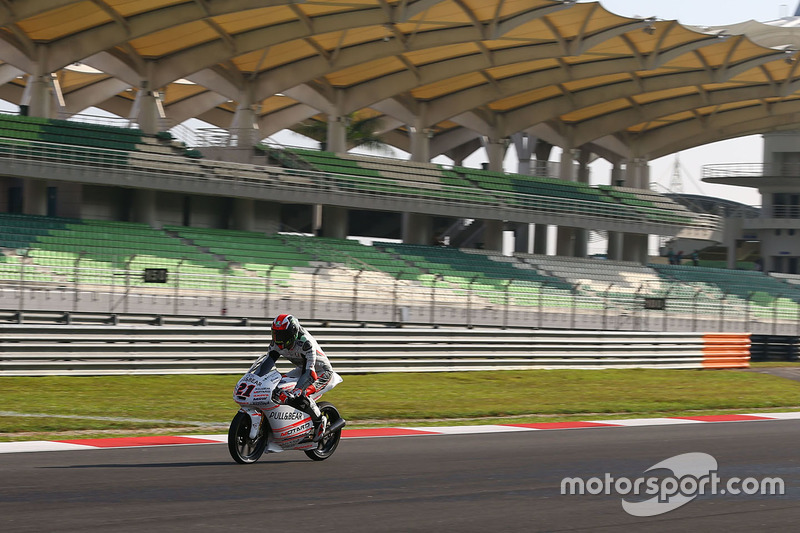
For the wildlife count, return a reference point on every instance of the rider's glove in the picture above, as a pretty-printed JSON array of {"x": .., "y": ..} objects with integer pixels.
[
  {"x": 280, "y": 396},
  {"x": 296, "y": 393}
]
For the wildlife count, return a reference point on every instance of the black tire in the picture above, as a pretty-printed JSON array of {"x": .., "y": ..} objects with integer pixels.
[
  {"x": 243, "y": 449},
  {"x": 328, "y": 444}
]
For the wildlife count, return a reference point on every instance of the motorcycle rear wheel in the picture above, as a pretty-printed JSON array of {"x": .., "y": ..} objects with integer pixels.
[
  {"x": 242, "y": 448},
  {"x": 328, "y": 444}
]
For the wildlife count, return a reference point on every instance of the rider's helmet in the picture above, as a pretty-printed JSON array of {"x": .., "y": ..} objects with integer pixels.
[{"x": 285, "y": 331}]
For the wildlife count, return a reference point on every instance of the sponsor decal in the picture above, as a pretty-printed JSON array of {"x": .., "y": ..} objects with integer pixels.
[{"x": 286, "y": 416}]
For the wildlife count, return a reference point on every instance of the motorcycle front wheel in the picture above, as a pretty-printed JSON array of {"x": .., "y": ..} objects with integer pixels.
[
  {"x": 243, "y": 449},
  {"x": 328, "y": 444}
]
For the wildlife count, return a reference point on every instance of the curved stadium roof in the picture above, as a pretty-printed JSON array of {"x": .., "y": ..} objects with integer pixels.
[{"x": 573, "y": 74}]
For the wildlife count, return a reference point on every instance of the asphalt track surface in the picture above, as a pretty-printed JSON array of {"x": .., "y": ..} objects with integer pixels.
[{"x": 478, "y": 482}]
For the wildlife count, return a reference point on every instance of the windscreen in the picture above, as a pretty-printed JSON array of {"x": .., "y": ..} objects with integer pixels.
[{"x": 262, "y": 366}]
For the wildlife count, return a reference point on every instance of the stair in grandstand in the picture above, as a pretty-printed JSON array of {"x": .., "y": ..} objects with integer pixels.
[
  {"x": 469, "y": 235},
  {"x": 598, "y": 276}
]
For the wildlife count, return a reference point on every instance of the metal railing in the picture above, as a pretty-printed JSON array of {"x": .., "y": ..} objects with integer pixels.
[
  {"x": 176, "y": 172},
  {"x": 335, "y": 293},
  {"x": 751, "y": 170}
]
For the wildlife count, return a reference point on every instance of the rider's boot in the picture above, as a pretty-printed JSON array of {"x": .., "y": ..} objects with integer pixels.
[
  {"x": 320, "y": 422},
  {"x": 321, "y": 426}
]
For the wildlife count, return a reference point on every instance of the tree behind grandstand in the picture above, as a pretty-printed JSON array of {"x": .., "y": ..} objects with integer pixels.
[{"x": 360, "y": 132}]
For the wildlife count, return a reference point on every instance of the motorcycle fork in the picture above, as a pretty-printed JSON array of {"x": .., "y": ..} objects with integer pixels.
[{"x": 256, "y": 418}]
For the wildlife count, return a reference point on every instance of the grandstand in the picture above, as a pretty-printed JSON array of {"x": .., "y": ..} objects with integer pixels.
[
  {"x": 249, "y": 271},
  {"x": 57, "y": 251},
  {"x": 242, "y": 224},
  {"x": 205, "y": 262}
]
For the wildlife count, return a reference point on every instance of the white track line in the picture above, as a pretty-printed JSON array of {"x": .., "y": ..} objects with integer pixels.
[{"x": 49, "y": 446}]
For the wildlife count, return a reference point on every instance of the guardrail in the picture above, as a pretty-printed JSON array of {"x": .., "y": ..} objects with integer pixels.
[
  {"x": 36, "y": 350},
  {"x": 750, "y": 170}
]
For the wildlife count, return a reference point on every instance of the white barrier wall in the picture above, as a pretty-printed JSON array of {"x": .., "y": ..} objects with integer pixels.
[{"x": 30, "y": 350}]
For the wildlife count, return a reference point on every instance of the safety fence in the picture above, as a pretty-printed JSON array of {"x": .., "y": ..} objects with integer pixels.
[
  {"x": 36, "y": 350},
  {"x": 338, "y": 293}
]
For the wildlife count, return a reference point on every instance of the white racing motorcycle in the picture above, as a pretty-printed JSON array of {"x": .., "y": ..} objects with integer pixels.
[{"x": 263, "y": 424}]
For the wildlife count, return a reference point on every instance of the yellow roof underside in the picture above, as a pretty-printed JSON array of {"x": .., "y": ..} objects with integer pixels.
[{"x": 355, "y": 42}]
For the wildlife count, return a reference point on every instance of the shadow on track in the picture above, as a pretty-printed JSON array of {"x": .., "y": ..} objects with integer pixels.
[{"x": 168, "y": 465}]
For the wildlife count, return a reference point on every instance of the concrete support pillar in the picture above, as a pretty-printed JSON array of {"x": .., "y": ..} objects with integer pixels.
[
  {"x": 496, "y": 151},
  {"x": 267, "y": 216},
  {"x": 631, "y": 176},
  {"x": 43, "y": 96},
  {"x": 147, "y": 109},
  {"x": 244, "y": 126},
  {"x": 144, "y": 207},
  {"x": 244, "y": 210},
  {"x": 635, "y": 248},
  {"x": 617, "y": 175},
  {"x": 493, "y": 235},
  {"x": 731, "y": 239},
  {"x": 572, "y": 242},
  {"x": 644, "y": 175},
  {"x": 581, "y": 242},
  {"x": 524, "y": 146},
  {"x": 420, "y": 144},
  {"x": 583, "y": 175},
  {"x": 417, "y": 229},
  {"x": 584, "y": 156},
  {"x": 542, "y": 151},
  {"x": 337, "y": 134},
  {"x": 730, "y": 256},
  {"x": 522, "y": 238},
  {"x": 34, "y": 197},
  {"x": 638, "y": 174},
  {"x": 615, "y": 238},
  {"x": 565, "y": 241},
  {"x": 334, "y": 222},
  {"x": 614, "y": 252},
  {"x": 566, "y": 166},
  {"x": 540, "y": 239}
]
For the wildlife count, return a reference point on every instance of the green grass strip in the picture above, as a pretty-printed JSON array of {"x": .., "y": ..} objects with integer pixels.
[{"x": 119, "y": 405}]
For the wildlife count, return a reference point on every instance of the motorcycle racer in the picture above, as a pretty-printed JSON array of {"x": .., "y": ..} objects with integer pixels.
[{"x": 312, "y": 369}]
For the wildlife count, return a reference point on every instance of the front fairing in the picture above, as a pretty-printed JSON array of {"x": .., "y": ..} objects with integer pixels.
[{"x": 256, "y": 390}]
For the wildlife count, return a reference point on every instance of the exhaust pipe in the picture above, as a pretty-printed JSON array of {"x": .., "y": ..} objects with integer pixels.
[{"x": 336, "y": 426}]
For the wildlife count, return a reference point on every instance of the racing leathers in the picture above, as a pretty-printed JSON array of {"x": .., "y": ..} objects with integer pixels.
[{"x": 313, "y": 372}]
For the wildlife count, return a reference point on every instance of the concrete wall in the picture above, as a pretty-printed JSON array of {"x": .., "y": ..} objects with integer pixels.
[{"x": 102, "y": 203}]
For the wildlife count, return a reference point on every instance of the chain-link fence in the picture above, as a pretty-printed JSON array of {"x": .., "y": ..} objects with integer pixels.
[{"x": 336, "y": 293}]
